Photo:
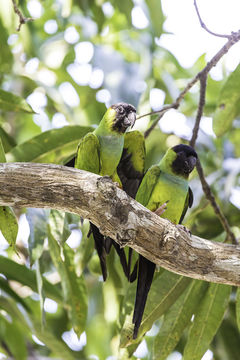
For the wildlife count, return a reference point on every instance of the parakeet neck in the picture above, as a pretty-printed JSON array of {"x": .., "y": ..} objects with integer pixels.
[
  {"x": 166, "y": 164},
  {"x": 111, "y": 145},
  {"x": 105, "y": 126}
]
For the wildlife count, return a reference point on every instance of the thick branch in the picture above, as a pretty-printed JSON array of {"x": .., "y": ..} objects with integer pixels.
[{"x": 125, "y": 220}]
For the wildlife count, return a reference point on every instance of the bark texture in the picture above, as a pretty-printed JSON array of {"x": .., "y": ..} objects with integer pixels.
[{"x": 117, "y": 215}]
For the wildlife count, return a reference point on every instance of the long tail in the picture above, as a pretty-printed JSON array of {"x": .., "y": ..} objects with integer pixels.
[
  {"x": 99, "y": 245},
  {"x": 122, "y": 256},
  {"x": 146, "y": 271}
]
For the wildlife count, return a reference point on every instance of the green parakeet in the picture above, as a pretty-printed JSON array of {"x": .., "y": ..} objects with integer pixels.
[
  {"x": 130, "y": 171},
  {"x": 165, "y": 183},
  {"x": 100, "y": 152}
]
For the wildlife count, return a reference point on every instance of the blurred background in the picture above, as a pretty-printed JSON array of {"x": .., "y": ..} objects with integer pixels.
[{"x": 73, "y": 61}]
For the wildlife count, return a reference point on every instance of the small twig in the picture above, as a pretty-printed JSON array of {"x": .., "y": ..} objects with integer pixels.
[
  {"x": 22, "y": 19},
  {"x": 203, "y": 84},
  {"x": 234, "y": 37},
  {"x": 162, "y": 112},
  {"x": 203, "y": 25},
  {"x": 209, "y": 195}
]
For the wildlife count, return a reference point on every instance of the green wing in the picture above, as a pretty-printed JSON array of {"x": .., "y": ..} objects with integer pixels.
[
  {"x": 131, "y": 166},
  {"x": 148, "y": 183},
  {"x": 88, "y": 151}
]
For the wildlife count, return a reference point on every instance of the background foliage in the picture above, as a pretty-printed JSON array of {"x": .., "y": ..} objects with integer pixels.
[{"x": 70, "y": 63}]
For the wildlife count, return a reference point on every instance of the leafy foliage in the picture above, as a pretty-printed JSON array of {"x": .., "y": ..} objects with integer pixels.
[{"x": 57, "y": 75}]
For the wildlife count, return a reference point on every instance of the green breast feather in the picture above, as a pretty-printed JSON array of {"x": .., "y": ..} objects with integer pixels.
[{"x": 88, "y": 154}]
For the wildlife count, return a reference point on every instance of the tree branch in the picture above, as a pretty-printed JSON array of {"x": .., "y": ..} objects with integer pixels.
[
  {"x": 117, "y": 215},
  {"x": 22, "y": 19}
]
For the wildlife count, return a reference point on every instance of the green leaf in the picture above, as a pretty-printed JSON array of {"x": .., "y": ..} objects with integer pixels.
[
  {"x": 53, "y": 146},
  {"x": 207, "y": 320},
  {"x": 2, "y": 152},
  {"x": 228, "y": 104},
  {"x": 238, "y": 308},
  {"x": 11, "y": 102},
  {"x": 74, "y": 289},
  {"x": 11, "y": 333},
  {"x": 59, "y": 348},
  {"x": 177, "y": 319},
  {"x": 8, "y": 224},
  {"x": 156, "y": 16},
  {"x": 125, "y": 7},
  {"x": 25, "y": 276},
  {"x": 59, "y": 226},
  {"x": 7, "y": 141},
  {"x": 4, "y": 286},
  {"x": 164, "y": 291},
  {"x": 85, "y": 249},
  {"x": 6, "y": 57},
  {"x": 37, "y": 220},
  {"x": 40, "y": 291}
]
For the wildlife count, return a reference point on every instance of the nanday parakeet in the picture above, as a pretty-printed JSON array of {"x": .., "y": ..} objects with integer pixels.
[
  {"x": 100, "y": 152},
  {"x": 130, "y": 171},
  {"x": 165, "y": 183}
]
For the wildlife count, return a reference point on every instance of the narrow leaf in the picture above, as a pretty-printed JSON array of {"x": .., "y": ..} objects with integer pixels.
[
  {"x": 25, "y": 276},
  {"x": 156, "y": 16},
  {"x": 12, "y": 334},
  {"x": 228, "y": 104},
  {"x": 164, "y": 291},
  {"x": 207, "y": 320},
  {"x": 12, "y": 102},
  {"x": 52, "y": 146},
  {"x": 59, "y": 226},
  {"x": 4, "y": 286},
  {"x": 238, "y": 308},
  {"x": 85, "y": 250},
  {"x": 40, "y": 291},
  {"x": 2, "y": 152},
  {"x": 7, "y": 141},
  {"x": 37, "y": 220},
  {"x": 74, "y": 291},
  {"x": 8, "y": 224},
  {"x": 177, "y": 319}
]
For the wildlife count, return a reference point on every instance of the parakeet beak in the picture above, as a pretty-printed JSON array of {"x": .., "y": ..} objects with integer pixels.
[
  {"x": 130, "y": 119},
  {"x": 192, "y": 160}
]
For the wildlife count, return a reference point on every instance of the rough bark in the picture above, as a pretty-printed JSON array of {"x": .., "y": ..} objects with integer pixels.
[{"x": 117, "y": 215}]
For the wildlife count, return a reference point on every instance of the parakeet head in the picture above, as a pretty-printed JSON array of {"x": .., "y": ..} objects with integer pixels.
[
  {"x": 185, "y": 161},
  {"x": 125, "y": 117}
]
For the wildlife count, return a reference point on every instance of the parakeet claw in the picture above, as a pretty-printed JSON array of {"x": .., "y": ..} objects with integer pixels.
[
  {"x": 161, "y": 209},
  {"x": 182, "y": 227}
]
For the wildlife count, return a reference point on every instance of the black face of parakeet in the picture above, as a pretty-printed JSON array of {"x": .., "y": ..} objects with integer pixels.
[
  {"x": 125, "y": 117},
  {"x": 185, "y": 161}
]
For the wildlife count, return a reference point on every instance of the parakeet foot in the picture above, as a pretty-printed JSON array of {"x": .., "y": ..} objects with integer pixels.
[
  {"x": 161, "y": 209},
  {"x": 182, "y": 227}
]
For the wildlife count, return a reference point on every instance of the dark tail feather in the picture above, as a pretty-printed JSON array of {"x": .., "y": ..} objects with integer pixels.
[
  {"x": 130, "y": 252},
  {"x": 133, "y": 275},
  {"x": 71, "y": 162},
  {"x": 145, "y": 276},
  {"x": 122, "y": 256},
  {"x": 99, "y": 245},
  {"x": 108, "y": 244}
]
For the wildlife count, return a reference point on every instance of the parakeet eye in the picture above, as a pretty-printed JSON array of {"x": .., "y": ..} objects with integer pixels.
[{"x": 121, "y": 110}]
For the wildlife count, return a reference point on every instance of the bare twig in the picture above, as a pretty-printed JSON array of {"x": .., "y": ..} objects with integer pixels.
[
  {"x": 233, "y": 39},
  {"x": 203, "y": 84},
  {"x": 202, "y": 77},
  {"x": 163, "y": 111},
  {"x": 117, "y": 215},
  {"x": 216, "y": 208},
  {"x": 203, "y": 25},
  {"x": 22, "y": 19}
]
